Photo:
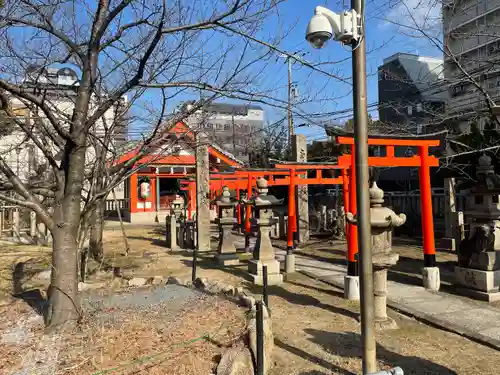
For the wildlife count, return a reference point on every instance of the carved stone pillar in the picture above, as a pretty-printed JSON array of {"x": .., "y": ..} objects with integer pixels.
[
  {"x": 383, "y": 220},
  {"x": 478, "y": 270}
]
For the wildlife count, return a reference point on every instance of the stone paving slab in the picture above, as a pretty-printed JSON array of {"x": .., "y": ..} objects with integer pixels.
[{"x": 476, "y": 321}]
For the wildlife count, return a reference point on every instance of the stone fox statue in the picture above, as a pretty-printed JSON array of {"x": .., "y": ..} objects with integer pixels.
[{"x": 482, "y": 240}]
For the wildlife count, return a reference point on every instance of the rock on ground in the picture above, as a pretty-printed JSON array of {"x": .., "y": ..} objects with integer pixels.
[
  {"x": 137, "y": 281},
  {"x": 31, "y": 270},
  {"x": 236, "y": 361},
  {"x": 173, "y": 280},
  {"x": 157, "y": 280},
  {"x": 247, "y": 301}
]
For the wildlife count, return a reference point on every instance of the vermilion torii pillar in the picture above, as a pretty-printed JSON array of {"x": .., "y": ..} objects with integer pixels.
[
  {"x": 292, "y": 221},
  {"x": 352, "y": 251}
]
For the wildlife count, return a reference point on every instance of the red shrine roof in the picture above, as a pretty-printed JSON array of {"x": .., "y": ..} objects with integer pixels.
[{"x": 180, "y": 133}]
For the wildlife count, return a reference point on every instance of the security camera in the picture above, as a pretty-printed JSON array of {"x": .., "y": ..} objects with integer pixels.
[
  {"x": 326, "y": 24},
  {"x": 319, "y": 31}
]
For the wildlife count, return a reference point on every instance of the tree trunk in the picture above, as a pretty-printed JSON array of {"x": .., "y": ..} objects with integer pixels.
[
  {"x": 63, "y": 291},
  {"x": 96, "y": 232},
  {"x": 64, "y": 304}
]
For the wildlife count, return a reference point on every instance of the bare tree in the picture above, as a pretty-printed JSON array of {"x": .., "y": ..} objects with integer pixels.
[{"x": 143, "y": 50}]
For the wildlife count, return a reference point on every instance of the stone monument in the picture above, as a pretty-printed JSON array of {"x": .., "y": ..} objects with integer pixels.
[
  {"x": 478, "y": 270},
  {"x": 226, "y": 252},
  {"x": 383, "y": 220},
  {"x": 264, "y": 253}
]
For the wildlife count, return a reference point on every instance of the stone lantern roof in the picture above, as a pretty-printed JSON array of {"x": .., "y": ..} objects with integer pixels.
[
  {"x": 225, "y": 199},
  {"x": 262, "y": 198},
  {"x": 381, "y": 218},
  {"x": 487, "y": 181}
]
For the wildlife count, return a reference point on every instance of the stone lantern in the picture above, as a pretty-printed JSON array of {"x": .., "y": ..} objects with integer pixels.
[
  {"x": 383, "y": 220},
  {"x": 226, "y": 251},
  {"x": 478, "y": 270},
  {"x": 264, "y": 253},
  {"x": 178, "y": 206}
]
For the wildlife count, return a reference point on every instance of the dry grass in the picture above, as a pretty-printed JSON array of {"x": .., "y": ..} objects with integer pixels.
[
  {"x": 131, "y": 342},
  {"x": 316, "y": 330},
  {"x": 10, "y": 255}
]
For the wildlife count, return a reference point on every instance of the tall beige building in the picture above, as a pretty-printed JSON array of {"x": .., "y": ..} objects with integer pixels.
[{"x": 471, "y": 31}]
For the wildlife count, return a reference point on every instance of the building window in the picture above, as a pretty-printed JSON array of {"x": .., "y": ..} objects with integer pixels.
[
  {"x": 419, "y": 107},
  {"x": 410, "y": 110},
  {"x": 459, "y": 90}
]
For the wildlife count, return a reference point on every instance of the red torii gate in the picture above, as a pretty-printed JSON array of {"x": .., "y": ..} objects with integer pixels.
[
  {"x": 422, "y": 160},
  {"x": 291, "y": 174}
]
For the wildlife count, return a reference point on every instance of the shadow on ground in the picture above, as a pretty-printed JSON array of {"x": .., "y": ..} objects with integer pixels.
[
  {"x": 207, "y": 262},
  {"x": 311, "y": 358},
  {"x": 407, "y": 271},
  {"x": 347, "y": 344},
  {"x": 35, "y": 300}
]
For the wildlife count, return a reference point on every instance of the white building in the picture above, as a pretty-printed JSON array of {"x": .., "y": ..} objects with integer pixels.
[
  {"x": 59, "y": 87},
  {"x": 237, "y": 128}
]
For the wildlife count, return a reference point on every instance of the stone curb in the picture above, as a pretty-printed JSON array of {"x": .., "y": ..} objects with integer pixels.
[
  {"x": 228, "y": 291},
  {"x": 434, "y": 321}
]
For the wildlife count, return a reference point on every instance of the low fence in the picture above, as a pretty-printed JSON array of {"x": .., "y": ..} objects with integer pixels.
[
  {"x": 122, "y": 204},
  {"x": 17, "y": 222},
  {"x": 400, "y": 202},
  {"x": 112, "y": 205}
]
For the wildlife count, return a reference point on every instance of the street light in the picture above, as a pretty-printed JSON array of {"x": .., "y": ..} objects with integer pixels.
[{"x": 347, "y": 28}]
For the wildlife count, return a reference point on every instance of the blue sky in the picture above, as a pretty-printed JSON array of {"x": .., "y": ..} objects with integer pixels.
[{"x": 383, "y": 37}]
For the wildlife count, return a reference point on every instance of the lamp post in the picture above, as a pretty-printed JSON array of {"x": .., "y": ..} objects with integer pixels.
[{"x": 348, "y": 29}]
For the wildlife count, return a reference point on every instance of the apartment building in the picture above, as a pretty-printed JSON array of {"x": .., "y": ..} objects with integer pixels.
[
  {"x": 237, "y": 128},
  {"x": 471, "y": 30},
  {"x": 59, "y": 88},
  {"x": 411, "y": 93}
]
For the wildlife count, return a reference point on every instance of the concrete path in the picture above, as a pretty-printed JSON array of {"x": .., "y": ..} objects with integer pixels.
[{"x": 473, "y": 319}]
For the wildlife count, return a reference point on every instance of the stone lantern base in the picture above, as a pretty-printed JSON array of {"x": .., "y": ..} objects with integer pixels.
[
  {"x": 230, "y": 259},
  {"x": 274, "y": 277},
  {"x": 478, "y": 284}
]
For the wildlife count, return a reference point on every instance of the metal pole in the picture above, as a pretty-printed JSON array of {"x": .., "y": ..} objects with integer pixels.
[
  {"x": 290, "y": 118},
  {"x": 195, "y": 258},
  {"x": 363, "y": 199},
  {"x": 265, "y": 296},
  {"x": 260, "y": 338}
]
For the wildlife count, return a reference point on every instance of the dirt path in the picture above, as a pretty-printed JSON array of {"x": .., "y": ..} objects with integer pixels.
[{"x": 316, "y": 330}]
